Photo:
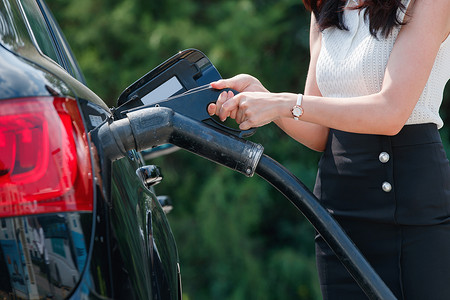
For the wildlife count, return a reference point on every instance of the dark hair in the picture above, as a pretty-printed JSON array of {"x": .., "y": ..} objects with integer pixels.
[{"x": 381, "y": 14}]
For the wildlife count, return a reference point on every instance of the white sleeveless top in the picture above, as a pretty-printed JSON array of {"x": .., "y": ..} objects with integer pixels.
[{"x": 352, "y": 63}]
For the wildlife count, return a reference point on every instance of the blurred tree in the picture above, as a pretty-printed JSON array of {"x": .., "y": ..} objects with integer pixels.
[
  {"x": 238, "y": 238},
  {"x": 118, "y": 41}
]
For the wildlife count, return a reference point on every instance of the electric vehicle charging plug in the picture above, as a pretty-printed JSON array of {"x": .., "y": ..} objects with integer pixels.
[{"x": 150, "y": 127}]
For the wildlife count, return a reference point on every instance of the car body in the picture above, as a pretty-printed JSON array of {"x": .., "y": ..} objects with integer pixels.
[{"x": 73, "y": 224}]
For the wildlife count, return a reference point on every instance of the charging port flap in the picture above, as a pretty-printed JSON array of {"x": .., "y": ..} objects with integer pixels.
[{"x": 182, "y": 84}]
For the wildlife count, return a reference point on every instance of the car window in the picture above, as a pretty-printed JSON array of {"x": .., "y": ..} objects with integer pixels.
[
  {"x": 49, "y": 37},
  {"x": 63, "y": 45},
  {"x": 40, "y": 31},
  {"x": 14, "y": 34}
]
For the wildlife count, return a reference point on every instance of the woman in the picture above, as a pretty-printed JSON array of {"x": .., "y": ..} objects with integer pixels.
[{"x": 371, "y": 102}]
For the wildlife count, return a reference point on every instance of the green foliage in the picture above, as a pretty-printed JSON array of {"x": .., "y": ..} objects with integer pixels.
[
  {"x": 238, "y": 238},
  {"x": 118, "y": 41}
]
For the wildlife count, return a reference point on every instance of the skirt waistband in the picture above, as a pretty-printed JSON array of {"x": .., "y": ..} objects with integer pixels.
[{"x": 416, "y": 134}]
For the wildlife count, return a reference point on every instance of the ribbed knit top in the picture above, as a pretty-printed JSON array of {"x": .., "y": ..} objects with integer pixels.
[{"x": 352, "y": 63}]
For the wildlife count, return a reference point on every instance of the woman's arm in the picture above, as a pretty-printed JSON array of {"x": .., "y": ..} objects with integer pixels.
[
  {"x": 386, "y": 112},
  {"x": 407, "y": 72},
  {"x": 311, "y": 135}
]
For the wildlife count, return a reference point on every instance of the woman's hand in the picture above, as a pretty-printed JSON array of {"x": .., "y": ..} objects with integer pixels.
[
  {"x": 240, "y": 83},
  {"x": 255, "y": 109}
]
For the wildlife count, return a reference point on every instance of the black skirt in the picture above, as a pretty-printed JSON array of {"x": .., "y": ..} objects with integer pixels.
[{"x": 391, "y": 194}]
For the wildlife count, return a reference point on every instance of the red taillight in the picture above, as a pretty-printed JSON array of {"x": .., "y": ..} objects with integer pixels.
[{"x": 45, "y": 164}]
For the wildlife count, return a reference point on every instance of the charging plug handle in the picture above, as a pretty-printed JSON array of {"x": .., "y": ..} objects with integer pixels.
[{"x": 150, "y": 127}]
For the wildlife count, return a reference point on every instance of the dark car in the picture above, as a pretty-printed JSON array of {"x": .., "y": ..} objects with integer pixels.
[{"x": 73, "y": 224}]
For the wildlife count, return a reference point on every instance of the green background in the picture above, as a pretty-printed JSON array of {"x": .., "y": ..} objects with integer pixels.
[{"x": 237, "y": 237}]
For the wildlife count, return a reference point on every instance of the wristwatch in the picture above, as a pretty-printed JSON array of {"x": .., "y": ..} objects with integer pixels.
[{"x": 297, "y": 110}]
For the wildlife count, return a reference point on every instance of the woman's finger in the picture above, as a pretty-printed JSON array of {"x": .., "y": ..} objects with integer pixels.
[
  {"x": 220, "y": 101},
  {"x": 245, "y": 125},
  {"x": 240, "y": 109},
  {"x": 230, "y": 105},
  {"x": 220, "y": 84},
  {"x": 239, "y": 116},
  {"x": 239, "y": 82},
  {"x": 212, "y": 109},
  {"x": 233, "y": 114}
]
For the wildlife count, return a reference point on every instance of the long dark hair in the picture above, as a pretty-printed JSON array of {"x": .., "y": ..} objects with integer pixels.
[{"x": 381, "y": 14}]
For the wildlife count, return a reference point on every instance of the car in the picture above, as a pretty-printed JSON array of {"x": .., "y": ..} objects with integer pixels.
[{"x": 74, "y": 224}]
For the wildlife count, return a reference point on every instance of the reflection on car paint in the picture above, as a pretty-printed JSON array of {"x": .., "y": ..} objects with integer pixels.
[{"x": 42, "y": 255}]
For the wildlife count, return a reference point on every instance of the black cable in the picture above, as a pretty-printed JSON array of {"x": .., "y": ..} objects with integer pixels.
[{"x": 300, "y": 196}]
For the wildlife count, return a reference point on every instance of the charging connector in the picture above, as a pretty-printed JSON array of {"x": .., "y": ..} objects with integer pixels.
[{"x": 154, "y": 126}]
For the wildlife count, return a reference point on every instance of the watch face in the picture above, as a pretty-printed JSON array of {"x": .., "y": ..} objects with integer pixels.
[{"x": 297, "y": 111}]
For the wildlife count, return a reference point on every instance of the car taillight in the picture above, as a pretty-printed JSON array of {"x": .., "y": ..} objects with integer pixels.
[{"x": 45, "y": 164}]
